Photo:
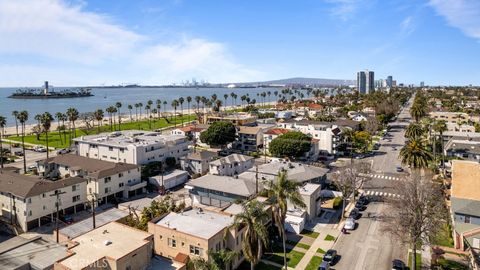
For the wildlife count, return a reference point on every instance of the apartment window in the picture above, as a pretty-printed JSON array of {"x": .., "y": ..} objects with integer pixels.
[
  {"x": 29, "y": 200},
  {"x": 217, "y": 246},
  {"x": 172, "y": 242},
  {"x": 107, "y": 190},
  {"x": 76, "y": 198},
  {"x": 120, "y": 185},
  {"x": 120, "y": 175},
  {"x": 194, "y": 250},
  {"x": 467, "y": 219},
  {"x": 44, "y": 207},
  {"x": 122, "y": 150},
  {"x": 30, "y": 213},
  {"x": 74, "y": 188},
  {"x": 110, "y": 148},
  {"x": 43, "y": 195},
  {"x": 107, "y": 179}
]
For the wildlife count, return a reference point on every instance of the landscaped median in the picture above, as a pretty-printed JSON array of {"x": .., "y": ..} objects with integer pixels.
[{"x": 62, "y": 139}]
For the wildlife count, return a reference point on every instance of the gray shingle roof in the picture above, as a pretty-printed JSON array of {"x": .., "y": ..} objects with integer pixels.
[
  {"x": 231, "y": 159},
  {"x": 227, "y": 184},
  {"x": 465, "y": 206},
  {"x": 202, "y": 155}
]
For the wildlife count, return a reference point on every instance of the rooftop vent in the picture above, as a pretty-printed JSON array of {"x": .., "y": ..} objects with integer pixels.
[{"x": 107, "y": 242}]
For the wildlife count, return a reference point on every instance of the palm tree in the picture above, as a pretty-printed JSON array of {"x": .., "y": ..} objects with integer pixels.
[
  {"x": 119, "y": 105},
  {"x": 175, "y": 105},
  {"x": 197, "y": 100},
  {"x": 148, "y": 110},
  {"x": 109, "y": 110},
  {"x": 72, "y": 115},
  {"x": 62, "y": 117},
  {"x": 415, "y": 155},
  {"x": 159, "y": 106},
  {"x": 214, "y": 97},
  {"x": 137, "y": 105},
  {"x": 15, "y": 116},
  {"x": 165, "y": 106},
  {"x": 189, "y": 100},
  {"x": 23, "y": 118},
  {"x": 140, "y": 106},
  {"x": 98, "y": 114},
  {"x": 58, "y": 116},
  {"x": 46, "y": 121},
  {"x": 218, "y": 104},
  {"x": 181, "y": 100},
  {"x": 232, "y": 95},
  {"x": 225, "y": 97},
  {"x": 417, "y": 111},
  {"x": 252, "y": 220},
  {"x": 440, "y": 127},
  {"x": 243, "y": 98},
  {"x": 279, "y": 192},
  {"x": 414, "y": 130},
  {"x": 3, "y": 123},
  {"x": 130, "y": 108}
]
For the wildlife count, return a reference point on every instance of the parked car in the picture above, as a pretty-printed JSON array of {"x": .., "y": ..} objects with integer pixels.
[
  {"x": 18, "y": 153},
  {"x": 324, "y": 266},
  {"x": 360, "y": 205},
  {"x": 398, "y": 265},
  {"x": 349, "y": 224},
  {"x": 355, "y": 213},
  {"x": 330, "y": 256},
  {"x": 40, "y": 149},
  {"x": 63, "y": 151},
  {"x": 399, "y": 169},
  {"x": 360, "y": 156},
  {"x": 364, "y": 199}
]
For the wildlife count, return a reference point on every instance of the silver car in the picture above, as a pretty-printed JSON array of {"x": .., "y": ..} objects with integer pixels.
[{"x": 349, "y": 224}]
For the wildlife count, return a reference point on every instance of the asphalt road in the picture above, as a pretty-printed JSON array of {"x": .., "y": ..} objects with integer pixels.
[
  {"x": 32, "y": 157},
  {"x": 368, "y": 247}
]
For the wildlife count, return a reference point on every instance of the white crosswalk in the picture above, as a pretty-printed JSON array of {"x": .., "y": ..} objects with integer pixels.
[
  {"x": 381, "y": 194},
  {"x": 382, "y": 176}
]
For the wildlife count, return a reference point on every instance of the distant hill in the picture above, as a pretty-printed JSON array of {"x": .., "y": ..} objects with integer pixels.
[{"x": 302, "y": 81}]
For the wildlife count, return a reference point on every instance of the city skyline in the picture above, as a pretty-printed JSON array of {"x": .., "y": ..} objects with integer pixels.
[{"x": 151, "y": 43}]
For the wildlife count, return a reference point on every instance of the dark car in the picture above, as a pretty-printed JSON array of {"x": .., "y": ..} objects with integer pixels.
[
  {"x": 360, "y": 205},
  {"x": 398, "y": 265},
  {"x": 330, "y": 256},
  {"x": 363, "y": 199},
  {"x": 324, "y": 266},
  {"x": 355, "y": 213},
  {"x": 399, "y": 169}
]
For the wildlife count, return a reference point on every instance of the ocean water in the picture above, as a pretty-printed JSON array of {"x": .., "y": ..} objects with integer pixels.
[{"x": 105, "y": 97}]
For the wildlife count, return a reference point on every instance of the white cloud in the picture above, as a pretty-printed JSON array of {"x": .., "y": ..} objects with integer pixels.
[
  {"x": 407, "y": 26},
  {"x": 344, "y": 9},
  {"x": 462, "y": 14},
  {"x": 95, "y": 47}
]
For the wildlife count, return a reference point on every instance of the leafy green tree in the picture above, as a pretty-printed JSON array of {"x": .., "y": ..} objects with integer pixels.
[
  {"x": 252, "y": 219},
  {"x": 219, "y": 134},
  {"x": 292, "y": 144},
  {"x": 280, "y": 192},
  {"x": 361, "y": 140},
  {"x": 415, "y": 154},
  {"x": 414, "y": 130}
]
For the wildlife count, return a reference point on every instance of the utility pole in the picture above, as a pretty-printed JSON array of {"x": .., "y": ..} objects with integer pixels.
[
  {"x": 57, "y": 203},
  {"x": 92, "y": 204},
  {"x": 256, "y": 179}
]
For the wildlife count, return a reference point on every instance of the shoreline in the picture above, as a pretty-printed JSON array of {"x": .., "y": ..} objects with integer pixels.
[{"x": 125, "y": 118}]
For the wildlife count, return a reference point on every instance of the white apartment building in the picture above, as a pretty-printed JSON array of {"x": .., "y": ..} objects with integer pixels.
[
  {"x": 231, "y": 165},
  {"x": 105, "y": 180},
  {"x": 30, "y": 202},
  {"x": 132, "y": 146}
]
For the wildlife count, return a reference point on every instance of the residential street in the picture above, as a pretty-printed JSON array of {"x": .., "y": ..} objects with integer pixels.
[{"x": 367, "y": 247}]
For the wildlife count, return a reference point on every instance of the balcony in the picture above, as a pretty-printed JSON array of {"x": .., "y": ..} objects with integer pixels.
[{"x": 135, "y": 185}]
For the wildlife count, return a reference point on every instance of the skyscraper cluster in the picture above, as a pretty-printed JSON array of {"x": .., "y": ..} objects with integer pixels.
[{"x": 366, "y": 82}]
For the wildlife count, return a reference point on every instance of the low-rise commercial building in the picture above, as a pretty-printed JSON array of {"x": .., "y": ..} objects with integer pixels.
[
  {"x": 231, "y": 165},
  {"x": 30, "y": 202},
  {"x": 105, "y": 180},
  {"x": 193, "y": 233},
  {"x": 112, "y": 246},
  {"x": 132, "y": 146}
]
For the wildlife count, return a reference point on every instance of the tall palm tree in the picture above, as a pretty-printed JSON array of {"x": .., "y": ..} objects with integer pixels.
[
  {"x": 218, "y": 104},
  {"x": 279, "y": 192},
  {"x": 140, "y": 106},
  {"x": 225, "y": 97},
  {"x": 189, "y": 100},
  {"x": 197, "y": 100},
  {"x": 98, "y": 114},
  {"x": 165, "y": 107},
  {"x": 175, "y": 105},
  {"x": 137, "y": 105},
  {"x": 232, "y": 95},
  {"x": 63, "y": 117},
  {"x": 440, "y": 127},
  {"x": 252, "y": 220},
  {"x": 148, "y": 110},
  {"x": 119, "y": 105},
  {"x": 417, "y": 111},
  {"x": 415, "y": 154},
  {"x": 414, "y": 130},
  {"x": 46, "y": 121},
  {"x": 243, "y": 98},
  {"x": 15, "y": 116},
  {"x": 110, "y": 110},
  {"x": 180, "y": 101},
  {"x": 58, "y": 116},
  {"x": 158, "y": 102},
  {"x": 3, "y": 123},
  {"x": 23, "y": 118},
  {"x": 72, "y": 116},
  {"x": 130, "y": 108}
]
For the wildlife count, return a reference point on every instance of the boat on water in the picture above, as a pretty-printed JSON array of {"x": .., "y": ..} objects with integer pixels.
[{"x": 35, "y": 93}]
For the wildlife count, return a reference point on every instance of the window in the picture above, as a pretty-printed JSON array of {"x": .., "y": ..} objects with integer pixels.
[
  {"x": 43, "y": 195},
  {"x": 29, "y": 200},
  {"x": 120, "y": 175},
  {"x": 120, "y": 185},
  {"x": 76, "y": 198},
  {"x": 44, "y": 207},
  {"x": 217, "y": 246},
  {"x": 107, "y": 190},
  {"x": 194, "y": 250},
  {"x": 110, "y": 148},
  {"x": 467, "y": 219},
  {"x": 74, "y": 188},
  {"x": 30, "y": 213},
  {"x": 172, "y": 242},
  {"x": 107, "y": 179}
]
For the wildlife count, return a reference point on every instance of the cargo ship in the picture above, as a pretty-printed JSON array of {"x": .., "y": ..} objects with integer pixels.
[{"x": 33, "y": 93}]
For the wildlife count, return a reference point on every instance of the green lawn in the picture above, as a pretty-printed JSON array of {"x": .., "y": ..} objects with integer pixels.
[
  {"x": 310, "y": 234},
  {"x": 293, "y": 257},
  {"x": 329, "y": 238},
  {"x": 59, "y": 140},
  {"x": 260, "y": 266},
  {"x": 418, "y": 258},
  {"x": 319, "y": 250},
  {"x": 444, "y": 237},
  {"x": 298, "y": 244},
  {"x": 314, "y": 263},
  {"x": 450, "y": 265}
]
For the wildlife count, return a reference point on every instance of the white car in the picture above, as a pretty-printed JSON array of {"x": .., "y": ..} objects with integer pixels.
[
  {"x": 349, "y": 224},
  {"x": 40, "y": 149}
]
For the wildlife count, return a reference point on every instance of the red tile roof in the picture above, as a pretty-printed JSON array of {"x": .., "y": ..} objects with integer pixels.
[{"x": 277, "y": 131}]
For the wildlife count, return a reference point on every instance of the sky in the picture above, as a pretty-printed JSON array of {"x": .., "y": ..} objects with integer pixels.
[{"x": 151, "y": 42}]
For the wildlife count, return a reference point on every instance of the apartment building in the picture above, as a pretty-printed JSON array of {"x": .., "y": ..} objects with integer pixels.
[
  {"x": 111, "y": 246},
  {"x": 105, "y": 180},
  {"x": 193, "y": 233},
  {"x": 238, "y": 119},
  {"x": 31, "y": 202},
  {"x": 198, "y": 162},
  {"x": 464, "y": 149},
  {"x": 273, "y": 133},
  {"x": 231, "y": 165},
  {"x": 132, "y": 146},
  {"x": 456, "y": 121},
  {"x": 191, "y": 131},
  {"x": 249, "y": 139}
]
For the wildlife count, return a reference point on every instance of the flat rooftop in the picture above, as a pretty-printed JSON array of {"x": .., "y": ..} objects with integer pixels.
[
  {"x": 37, "y": 253},
  {"x": 231, "y": 159},
  {"x": 309, "y": 189},
  {"x": 86, "y": 225},
  {"x": 197, "y": 222},
  {"x": 131, "y": 137},
  {"x": 297, "y": 172},
  {"x": 93, "y": 246}
]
